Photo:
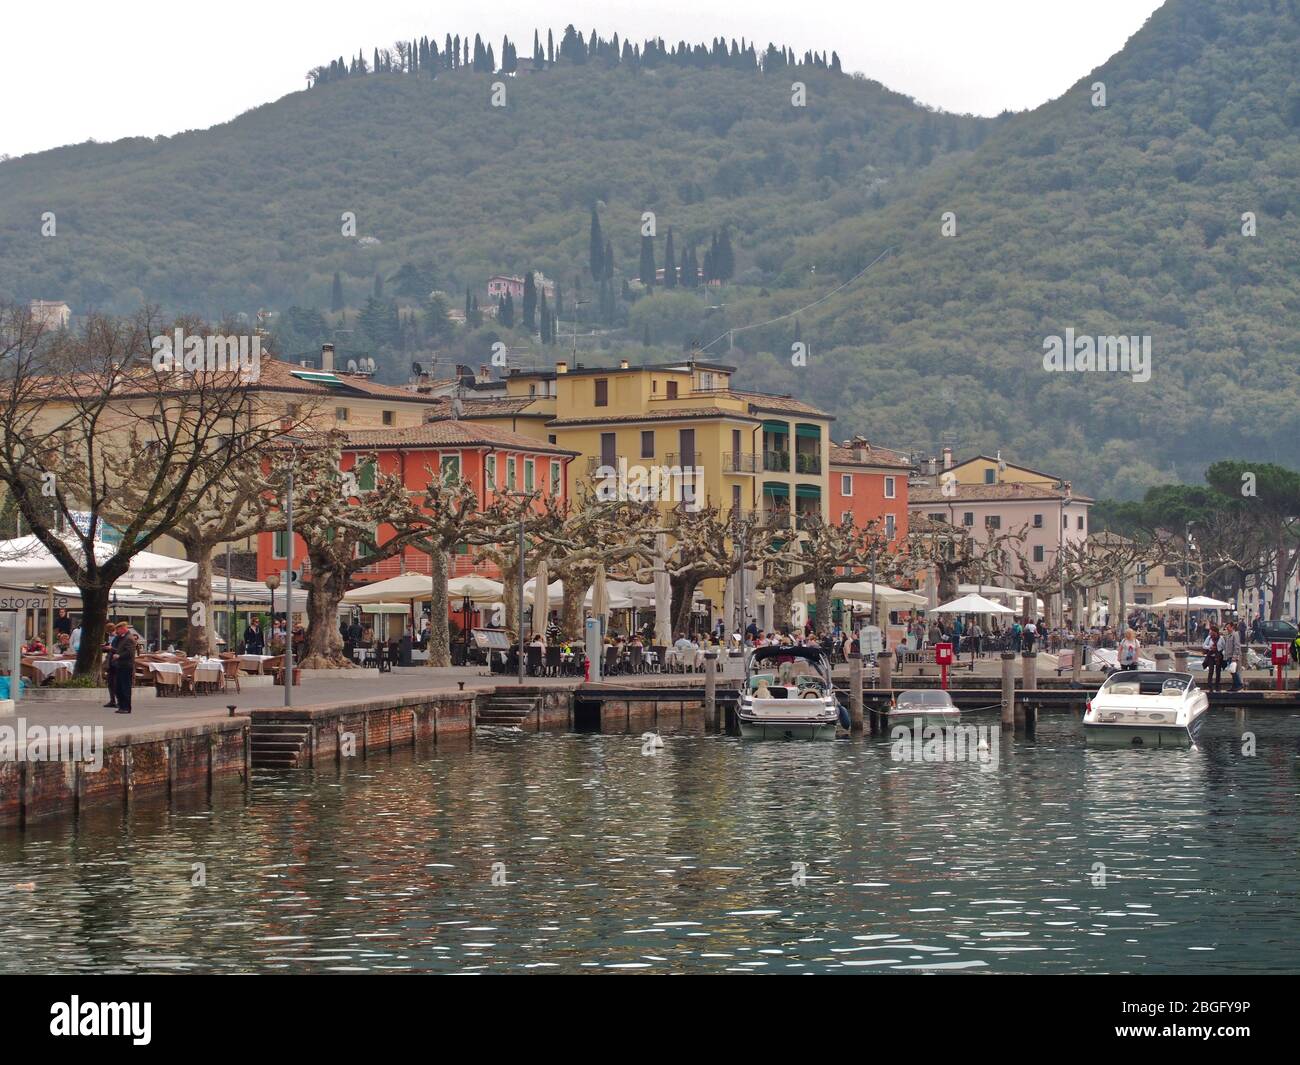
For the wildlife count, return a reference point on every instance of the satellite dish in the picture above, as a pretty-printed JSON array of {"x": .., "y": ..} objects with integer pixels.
[
  {"x": 416, "y": 369},
  {"x": 352, "y": 365},
  {"x": 370, "y": 365}
]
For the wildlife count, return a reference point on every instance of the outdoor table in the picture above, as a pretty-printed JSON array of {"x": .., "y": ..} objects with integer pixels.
[
  {"x": 207, "y": 671},
  {"x": 253, "y": 663},
  {"x": 52, "y": 667},
  {"x": 365, "y": 655}
]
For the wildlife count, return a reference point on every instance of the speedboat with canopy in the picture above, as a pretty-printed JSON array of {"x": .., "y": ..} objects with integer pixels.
[{"x": 788, "y": 695}]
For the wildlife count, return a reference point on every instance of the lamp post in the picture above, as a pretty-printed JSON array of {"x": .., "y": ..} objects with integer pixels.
[
  {"x": 272, "y": 582},
  {"x": 288, "y": 595}
]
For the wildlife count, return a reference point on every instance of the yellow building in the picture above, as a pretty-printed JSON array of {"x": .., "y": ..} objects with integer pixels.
[{"x": 738, "y": 450}]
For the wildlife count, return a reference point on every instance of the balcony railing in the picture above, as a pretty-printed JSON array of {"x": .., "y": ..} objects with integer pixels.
[
  {"x": 808, "y": 463},
  {"x": 683, "y": 459},
  {"x": 737, "y": 462},
  {"x": 595, "y": 462},
  {"x": 776, "y": 461}
]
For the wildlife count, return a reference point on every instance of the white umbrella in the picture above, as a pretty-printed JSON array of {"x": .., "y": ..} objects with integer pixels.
[
  {"x": 406, "y": 587},
  {"x": 663, "y": 593},
  {"x": 27, "y": 561},
  {"x": 554, "y": 592},
  {"x": 600, "y": 597},
  {"x": 861, "y": 591},
  {"x": 477, "y": 589},
  {"x": 540, "y": 598},
  {"x": 769, "y": 609},
  {"x": 1196, "y": 602},
  {"x": 972, "y": 604}
]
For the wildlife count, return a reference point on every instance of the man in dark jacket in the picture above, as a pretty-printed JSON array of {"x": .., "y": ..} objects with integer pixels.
[
  {"x": 124, "y": 660},
  {"x": 254, "y": 639}
]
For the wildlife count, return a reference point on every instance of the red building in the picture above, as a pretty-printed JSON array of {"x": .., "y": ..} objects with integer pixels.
[
  {"x": 492, "y": 460},
  {"x": 871, "y": 484}
]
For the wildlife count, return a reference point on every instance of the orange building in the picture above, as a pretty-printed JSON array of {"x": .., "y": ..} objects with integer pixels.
[
  {"x": 871, "y": 484},
  {"x": 491, "y": 459}
]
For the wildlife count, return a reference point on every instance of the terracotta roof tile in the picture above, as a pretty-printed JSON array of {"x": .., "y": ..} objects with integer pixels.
[
  {"x": 1013, "y": 491},
  {"x": 448, "y": 433},
  {"x": 873, "y": 456},
  {"x": 653, "y": 415}
]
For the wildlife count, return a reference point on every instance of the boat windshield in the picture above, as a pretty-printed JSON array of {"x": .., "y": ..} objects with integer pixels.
[
  {"x": 1146, "y": 682},
  {"x": 924, "y": 698}
]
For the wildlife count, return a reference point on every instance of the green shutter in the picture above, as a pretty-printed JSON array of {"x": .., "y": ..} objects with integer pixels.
[
  {"x": 807, "y": 491},
  {"x": 366, "y": 476},
  {"x": 776, "y": 488},
  {"x": 813, "y": 431},
  {"x": 776, "y": 427}
]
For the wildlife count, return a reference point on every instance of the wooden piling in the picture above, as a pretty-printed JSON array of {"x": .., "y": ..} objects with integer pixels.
[
  {"x": 1028, "y": 683},
  {"x": 886, "y": 659},
  {"x": 855, "y": 692},
  {"x": 1008, "y": 690},
  {"x": 1080, "y": 649},
  {"x": 711, "y": 691}
]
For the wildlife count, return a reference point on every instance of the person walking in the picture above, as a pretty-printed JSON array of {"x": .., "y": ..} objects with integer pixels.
[
  {"x": 1232, "y": 656},
  {"x": 1030, "y": 632},
  {"x": 124, "y": 654},
  {"x": 1213, "y": 658},
  {"x": 254, "y": 638},
  {"x": 108, "y": 647},
  {"x": 1128, "y": 650}
]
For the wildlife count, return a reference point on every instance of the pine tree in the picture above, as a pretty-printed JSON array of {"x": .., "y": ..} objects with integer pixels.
[
  {"x": 597, "y": 248},
  {"x": 336, "y": 294},
  {"x": 670, "y": 262},
  {"x": 530, "y": 300},
  {"x": 647, "y": 269}
]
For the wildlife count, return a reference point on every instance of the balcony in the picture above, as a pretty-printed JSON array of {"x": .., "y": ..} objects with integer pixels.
[
  {"x": 808, "y": 463},
  {"x": 736, "y": 462},
  {"x": 594, "y": 463},
  {"x": 776, "y": 461},
  {"x": 683, "y": 459}
]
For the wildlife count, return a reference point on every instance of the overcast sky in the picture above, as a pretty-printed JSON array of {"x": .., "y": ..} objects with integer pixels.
[{"x": 87, "y": 69}]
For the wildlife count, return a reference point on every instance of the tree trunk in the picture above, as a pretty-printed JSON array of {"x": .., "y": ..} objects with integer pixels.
[
  {"x": 94, "y": 617},
  {"x": 439, "y": 633},
  {"x": 510, "y": 595},
  {"x": 947, "y": 584},
  {"x": 683, "y": 589},
  {"x": 324, "y": 643},
  {"x": 823, "y": 599},
  {"x": 783, "y": 603},
  {"x": 575, "y": 591},
  {"x": 200, "y": 635}
]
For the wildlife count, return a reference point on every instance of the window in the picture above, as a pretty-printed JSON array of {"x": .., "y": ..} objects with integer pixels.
[
  {"x": 530, "y": 474},
  {"x": 365, "y": 472},
  {"x": 340, "y": 414},
  {"x": 602, "y": 392},
  {"x": 647, "y": 443},
  {"x": 968, "y": 518},
  {"x": 992, "y": 521},
  {"x": 1038, "y": 521},
  {"x": 449, "y": 466},
  {"x": 556, "y": 483},
  {"x": 938, "y": 517},
  {"x": 891, "y": 527},
  {"x": 846, "y": 485},
  {"x": 990, "y": 476},
  {"x": 1080, "y": 525},
  {"x": 1038, "y": 553},
  {"x": 889, "y": 488},
  {"x": 510, "y": 474},
  {"x": 654, "y": 385},
  {"x": 366, "y": 546},
  {"x": 609, "y": 450},
  {"x": 490, "y": 471},
  {"x": 550, "y": 439},
  {"x": 1065, "y": 521},
  {"x": 388, "y": 417},
  {"x": 672, "y": 389},
  {"x": 281, "y": 546}
]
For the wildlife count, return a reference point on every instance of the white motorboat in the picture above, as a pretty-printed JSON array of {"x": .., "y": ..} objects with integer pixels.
[
  {"x": 1106, "y": 659},
  {"x": 788, "y": 695},
  {"x": 923, "y": 707},
  {"x": 1144, "y": 707}
]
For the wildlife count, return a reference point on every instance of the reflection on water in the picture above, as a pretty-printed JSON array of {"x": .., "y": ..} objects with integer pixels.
[{"x": 711, "y": 855}]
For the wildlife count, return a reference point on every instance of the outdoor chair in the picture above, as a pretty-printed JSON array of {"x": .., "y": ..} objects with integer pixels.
[
  {"x": 635, "y": 659},
  {"x": 533, "y": 664},
  {"x": 553, "y": 662},
  {"x": 661, "y": 659},
  {"x": 611, "y": 661},
  {"x": 229, "y": 672}
]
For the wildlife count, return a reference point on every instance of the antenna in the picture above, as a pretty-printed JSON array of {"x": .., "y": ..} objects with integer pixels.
[{"x": 352, "y": 365}]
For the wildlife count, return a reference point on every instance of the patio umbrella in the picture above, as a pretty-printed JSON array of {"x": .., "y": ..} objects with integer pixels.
[
  {"x": 769, "y": 609},
  {"x": 861, "y": 591},
  {"x": 663, "y": 593},
  {"x": 600, "y": 598},
  {"x": 972, "y": 604},
  {"x": 554, "y": 592},
  {"x": 407, "y": 587},
  {"x": 477, "y": 589},
  {"x": 26, "y": 561},
  {"x": 540, "y": 598}
]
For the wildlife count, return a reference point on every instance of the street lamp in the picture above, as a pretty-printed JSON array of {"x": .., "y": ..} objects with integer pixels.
[{"x": 273, "y": 582}]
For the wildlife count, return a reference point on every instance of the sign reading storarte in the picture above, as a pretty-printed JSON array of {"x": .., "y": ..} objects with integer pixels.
[
  {"x": 209, "y": 354},
  {"x": 31, "y": 602},
  {"x": 20, "y": 742},
  {"x": 103, "y": 1018}
]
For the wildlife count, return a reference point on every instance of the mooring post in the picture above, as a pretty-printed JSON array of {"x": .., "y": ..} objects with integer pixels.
[
  {"x": 1080, "y": 649},
  {"x": 1162, "y": 661},
  {"x": 855, "y": 693},
  {"x": 1180, "y": 661},
  {"x": 1028, "y": 683},
  {"x": 886, "y": 670},
  {"x": 1008, "y": 690},
  {"x": 711, "y": 690}
]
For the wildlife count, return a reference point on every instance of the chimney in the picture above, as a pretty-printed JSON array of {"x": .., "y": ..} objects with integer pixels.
[
  {"x": 860, "y": 449},
  {"x": 327, "y": 358},
  {"x": 622, "y": 364},
  {"x": 561, "y": 367},
  {"x": 484, "y": 374},
  {"x": 947, "y": 458}
]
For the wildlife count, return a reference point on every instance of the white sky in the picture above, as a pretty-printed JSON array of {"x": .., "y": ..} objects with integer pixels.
[{"x": 77, "y": 69}]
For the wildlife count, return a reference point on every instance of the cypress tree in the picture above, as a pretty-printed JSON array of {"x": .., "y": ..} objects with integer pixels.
[
  {"x": 530, "y": 300},
  {"x": 550, "y": 49},
  {"x": 726, "y": 264},
  {"x": 469, "y": 310},
  {"x": 545, "y": 317},
  {"x": 336, "y": 294},
  {"x": 670, "y": 262},
  {"x": 609, "y": 260},
  {"x": 597, "y": 248},
  {"x": 379, "y": 285},
  {"x": 555, "y": 327},
  {"x": 647, "y": 268}
]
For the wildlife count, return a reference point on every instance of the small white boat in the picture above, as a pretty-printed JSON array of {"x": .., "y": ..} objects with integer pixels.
[
  {"x": 1143, "y": 707},
  {"x": 923, "y": 707},
  {"x": 1106, "y": 660},
  {"x": 788, "y": 695}
]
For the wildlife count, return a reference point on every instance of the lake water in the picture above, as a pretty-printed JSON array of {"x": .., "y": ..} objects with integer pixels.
[{"x": 711, "y": 855}]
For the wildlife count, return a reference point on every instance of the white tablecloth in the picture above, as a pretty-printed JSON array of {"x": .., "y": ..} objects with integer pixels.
[
  {"x": 254, "y": 662},
  {"x": 49, "y": 666}
]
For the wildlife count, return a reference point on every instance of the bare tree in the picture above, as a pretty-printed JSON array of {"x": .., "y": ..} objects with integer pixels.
[{"x": 75, "y": 407}]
